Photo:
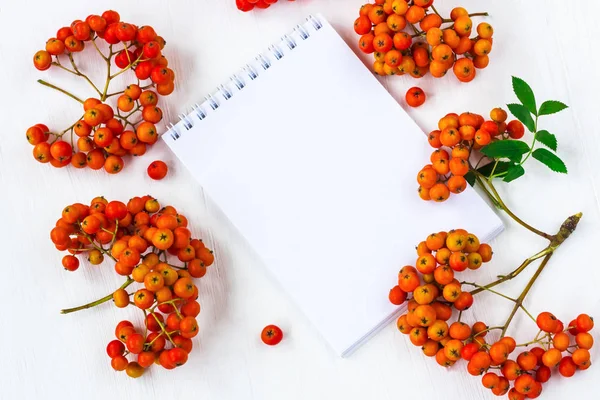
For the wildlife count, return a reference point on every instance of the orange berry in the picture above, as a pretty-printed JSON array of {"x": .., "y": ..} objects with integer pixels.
[
  {"x": 393, "y": 58},
  {"x": 426, "y": 315},
  {"x": 463, "y": 25},
  {"x": 515, "y": 129},
  {"x": 377, "y": 14},
  {"x": 499, "y": 353},
  {"x": 584, "y": 323},
  {"x": 524, "y": 384},
  {"x": 485, "y": 30},
  {"x": 464, "y": 69},
  {"x": 435, "y": 36},
  {"x": 415, "y": 14},
  {"x": 451, "y": 292},
  {"x": 430, "y": 21},
  {"x": 452, "y": 349},
  {"x": 396, "y": 22},
  {"x": 584, "y": 340},
  {"x": 438, "y": 330},
  {"x": 399, "y": 7},
  {"x": 418, "y": 336},
  {"x": 408, "y": 281},
  {"x": 427, "y": 178},
  {"x": 547, "y": 322},
  {"x": 457, "y": 184},
  {"x": 527, "y": 361},
  {"x": 561, "y": 341},
  {"x": 458, "y": 12},
  {"x": 442, "y": 311},
  {"x": 450, "y": 137},
  {"x": 551, "y": 358},
  {"x": 426, "y": 264},
  {"x": 439, "y": 192},
  {"x": 460, "y": 331},
  {"x": 403, "y": 325},
  {"x": 442, "y": 360},
  {"x": 482, "y": 137},
  {"x": 479, "y": 363},
  {"x": 567, "y": 367},
  {"x": 382, "y": 28},
  {"x": 430, "y": 348},
  {"x": 451, "y": 38},
  {"x": 464, "y": 45},
  {"x": 581, "y": 357},
  {"x": 461, "y": 151},
  {"x": 442, "y": 256},
  {"x": 397, "y": 296},
  {"x": 456, "y": 241},
  {"x": 490, "y": 380},
  {"x": 480, "y": 62},
  {"x": 459, "y": 166}
]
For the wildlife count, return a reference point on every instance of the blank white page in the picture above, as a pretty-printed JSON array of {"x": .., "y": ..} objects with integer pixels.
[{"x": 315, "y": 164}]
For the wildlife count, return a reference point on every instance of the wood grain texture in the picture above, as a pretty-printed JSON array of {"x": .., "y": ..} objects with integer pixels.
[{"x": 46, "y": 355}]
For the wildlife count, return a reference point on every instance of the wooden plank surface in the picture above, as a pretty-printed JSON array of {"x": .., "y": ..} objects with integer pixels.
[{"x": 46, "y": 355}]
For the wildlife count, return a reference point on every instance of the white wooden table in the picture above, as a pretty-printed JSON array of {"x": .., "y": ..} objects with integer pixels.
[{"x": 46, "y": 355}]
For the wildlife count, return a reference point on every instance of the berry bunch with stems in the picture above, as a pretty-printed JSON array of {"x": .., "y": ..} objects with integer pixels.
[
  {"x": 151, "y": 246},
  {"x": 433, "y": 44},
  {"x": 101, "y": 137},
  {"x": 463, "y": 143}
]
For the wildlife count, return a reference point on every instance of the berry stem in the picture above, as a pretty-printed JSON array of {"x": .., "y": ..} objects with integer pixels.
[
  {"x": 99, "y": 248},
  {"x": 435, "y": 11},
  {"x": 126, "y": 68},
  {"x": 79, "y": 73},
  {"x": 98, "y": 50},
  {"x": 104, "y": 299},
  {"x": 514, "y": 273},
  {"x": 485, "y": 331},
  {"x": 523, "y": 294},
  {"x": 108, "y": 59},
  {"x": 43, "y": 82},
  {"x": 488, "y": 193},
  {"x": 489, "y": 290},
  {"x": 480, "y": 179},
  {"x": 162, "y": 328},
  {"x": 417, "y": 32},
  {"x": 533, "y": 142},
  {"x": 527, "y": 312},
  {"x": 479, "y": 14}
]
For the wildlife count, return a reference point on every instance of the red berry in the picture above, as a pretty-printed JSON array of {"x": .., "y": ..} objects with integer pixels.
[
  {"x": 71, "y": 263},
  {"x": 115, "y": 348},
  {"x": 271, "y": 335},
  {"x": 157, "y": 170}
]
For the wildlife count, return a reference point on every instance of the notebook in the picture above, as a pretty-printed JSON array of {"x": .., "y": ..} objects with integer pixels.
[{"x": 315, "y": 164}]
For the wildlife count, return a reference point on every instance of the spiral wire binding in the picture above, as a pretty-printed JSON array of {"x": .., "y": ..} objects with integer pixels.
[{"x": 249, "y": 70}]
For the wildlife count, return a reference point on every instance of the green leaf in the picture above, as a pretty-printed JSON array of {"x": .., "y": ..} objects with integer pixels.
[
  {"x": 510, "y": 149},
  {"x": 547, "y": 139},
  {"x": 550, "y": 159},
  {"x": 502, "y": 166},
  {"x": 525, "y": 94},
  {"x": 470, "y": 178},
  {"x": 523, "y": 115},
  {"x": 514, "y": 172},
  {"x": 552, "y": 107}
]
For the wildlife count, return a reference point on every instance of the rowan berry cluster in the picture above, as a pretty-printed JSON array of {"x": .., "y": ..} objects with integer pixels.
[
  {"x": 397, "y": 52},
  {"x": 248, "y": 5},
  {"x": 145, "y": 241},
  {"x": 433, "y": 292},
  {"x": 104, "y": 136},
  {"x": 454, "y": 140},
  {"x": 440, "y": 256}
]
